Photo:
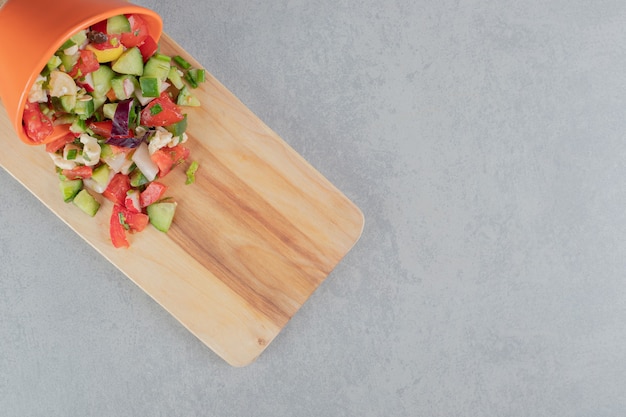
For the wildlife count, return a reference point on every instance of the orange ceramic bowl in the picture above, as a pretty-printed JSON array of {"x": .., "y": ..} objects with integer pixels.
[{"x": 32, "y": 30}]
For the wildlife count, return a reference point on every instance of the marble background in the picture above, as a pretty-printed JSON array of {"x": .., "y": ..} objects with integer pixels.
[{"x": 484, "y": 142}]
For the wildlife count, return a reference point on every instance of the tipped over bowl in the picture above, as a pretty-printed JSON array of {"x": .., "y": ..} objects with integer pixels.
[{"x": 32, "y": 31}]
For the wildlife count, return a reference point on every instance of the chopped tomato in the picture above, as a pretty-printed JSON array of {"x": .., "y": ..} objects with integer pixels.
[
  {"x": 161, "y": 111},
  {"x": 163, "y": 161},
  {"x": 37, "y": 125},
  {"x": 153, "y": 193},
  {"x": 101, "y": 26},
  {"x": 81, "y": 172},
  {"x": 148, "y": 48},
  {"x": 131, "y": 202},
  {"x": 166, "y": 158},
  {"x": 136, "y": 221},
  {"x": 117, "y": 227},
  {"x": 138, "y": 31},
  {"x": 58, "y": 144},
  {"x": 87, "y": 63},
  {"x": 102, "y": 128},
  {"x": 123, "y": 220},
  {"x": 117, "y": 188}
]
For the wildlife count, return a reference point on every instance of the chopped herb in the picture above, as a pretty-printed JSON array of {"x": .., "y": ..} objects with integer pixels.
[
  {"x": 156, "y": 109},
  {"x": 191, "y": 173},
  {"x": 191, "y": 80},
  {"x": 181, "y": 62},
  {"x": 71, "y": 154},
  {"x": 122, "y": 220}
]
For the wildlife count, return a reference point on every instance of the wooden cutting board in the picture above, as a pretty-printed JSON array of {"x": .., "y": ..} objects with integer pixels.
[{"x": 252, "y": 239}]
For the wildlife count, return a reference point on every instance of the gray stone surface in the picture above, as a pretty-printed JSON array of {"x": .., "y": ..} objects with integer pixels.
[{"x": 483, "y": 140}]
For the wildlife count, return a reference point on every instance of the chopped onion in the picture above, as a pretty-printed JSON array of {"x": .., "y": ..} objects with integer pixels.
[
  {"x": 97, "y": 187},
  {"x": 141, "y": 158},
  {"x": 117, "y": 161}
]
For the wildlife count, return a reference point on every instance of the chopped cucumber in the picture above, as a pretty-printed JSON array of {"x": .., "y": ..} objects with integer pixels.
[
  {"x": 84, "y": 107},
  {"x": 79, "y": 37},
  {"x": 150, "y": 86},
  {"x": 101, "y": 175},
  {"x": 105, "y": 151},
  {"x": 66, "y": 119},
  {"x": 185, "y": 98},
  {"x": 86, "y": 202},
  {"x": 69, "y": 189},
  {"x": 102, "y": 82},
  {"x": 198, "y": 75},
  {"x": 137, "y": 179},
  {"x": 175, "y": 78},
  {"x": 99, "y": 101},
  {"x": 78, "y": 126},
  {"x": 158, "y": 66},
  {"x": 68, "y": 61},
  {"x": 121, "y": 87},
  {"x": 68, "y": 102},
  {"x": 162, "y": 214},
  {"x": 54, "y": 62},
  {"x": 108, "y": 110},
  {"x": 117, "y": 25},
  {"x": 178, "y": 128},
  {"x": 67, "y": 44},
  {"x": 130, "y": 62}
]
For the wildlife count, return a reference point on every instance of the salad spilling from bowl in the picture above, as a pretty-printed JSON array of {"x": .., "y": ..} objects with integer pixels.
[{"x": 123, "y": 102}]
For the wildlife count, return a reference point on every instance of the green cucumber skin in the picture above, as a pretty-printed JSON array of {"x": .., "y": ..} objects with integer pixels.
[
  {"x": 161, "y": 215},
  {"x": 86, "y": 202},
  {"x": 157, "y": 67},
  {"x": 179, "y": 128},
  {"x": 130, "y": 63},
  {"x": 186, "y": 98},
  {"x": 150, "y": 86},
  {"x": 84, "y": 108},
  {"x": 69, "y": 189},
  {"x": 102, "y": 81},
  {"x": 101, "y": 174},
  {"x": 117, "y": 25}
]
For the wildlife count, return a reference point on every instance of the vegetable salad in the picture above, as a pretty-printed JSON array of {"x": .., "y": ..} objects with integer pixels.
[{"x": 124, "y": 104}]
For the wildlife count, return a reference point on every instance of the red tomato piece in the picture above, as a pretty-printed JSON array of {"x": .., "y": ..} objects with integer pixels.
[
  {"x": 87, "y": 63},
  {"x": 166, "y": 158},
  {"x": 131, "y": 202},
  {"x": 163, "y": 161},
  {"x": 102, "y": 128},
  {"x": 161, "y": 111},
  {"x": 153, "y": 193},
  {"x": 117, "y": 229},
  {"x": 117, "y": 188},
  {"x": 178, "y": 154},
  {"x": 37, "y": 125},
  {"x": 58, "y": 144},
  {"x": 148, "y": 48},
  {"x": 82, "y": 172},
  {"x": 138, "y": 31},
  {"x": 101, "y": 26},
  {"x": 136, "y": 221}
]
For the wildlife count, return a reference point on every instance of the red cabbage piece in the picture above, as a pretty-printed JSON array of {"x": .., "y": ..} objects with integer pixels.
[{"x": 121, "y": 119}]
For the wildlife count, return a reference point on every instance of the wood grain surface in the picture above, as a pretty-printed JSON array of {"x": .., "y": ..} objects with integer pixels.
[{"x": 252, "y": 239}]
